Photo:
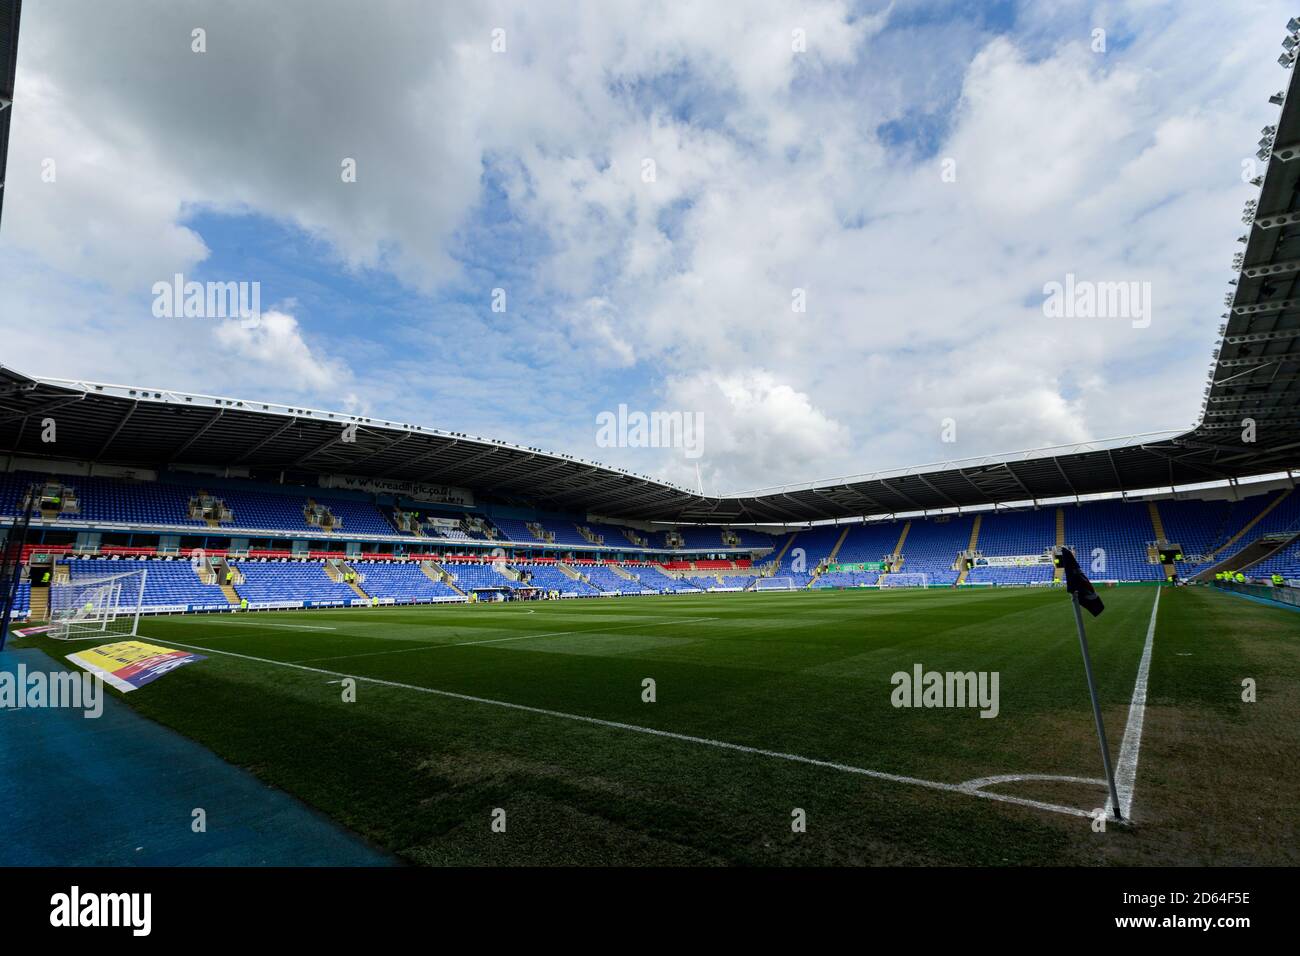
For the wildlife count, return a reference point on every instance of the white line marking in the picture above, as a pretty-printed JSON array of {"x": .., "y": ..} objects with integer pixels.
[
  {"x": 654, "y": 732},
  {"x": 296, "y": 627},
  {"x": 980, "y": 783},
  {"x": 1126, "y": 772},
  {"x": 498, "y": 640}
]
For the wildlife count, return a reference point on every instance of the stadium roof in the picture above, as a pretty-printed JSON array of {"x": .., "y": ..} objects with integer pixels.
[
  {"x": 1255, "y": 375},
  {"x": 157, "y": 428},
  {"x": 9, "y": 16}
]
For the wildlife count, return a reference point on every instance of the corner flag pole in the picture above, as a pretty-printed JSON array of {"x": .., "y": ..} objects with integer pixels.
[{"x": 1096, "y": 709}]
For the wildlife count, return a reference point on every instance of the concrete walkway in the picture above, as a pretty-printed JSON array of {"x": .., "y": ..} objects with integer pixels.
[{"x": 120, "y": 790}]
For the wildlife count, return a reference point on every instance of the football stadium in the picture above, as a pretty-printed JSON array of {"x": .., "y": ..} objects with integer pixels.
[{"x": 325, "y": 638}]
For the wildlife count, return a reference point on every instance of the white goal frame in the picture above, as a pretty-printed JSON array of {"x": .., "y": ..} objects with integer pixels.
[
  {"x": 90, "y": 608},
  {"x": 775, "y": 584},
  {"x": 905, "y": 579}
]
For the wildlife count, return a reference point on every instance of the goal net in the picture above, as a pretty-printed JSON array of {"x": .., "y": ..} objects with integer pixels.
[
  {"x": 774, "y": 584},
  {"x": 901, "y": 580},
  {"x": 97, "y": 607}
]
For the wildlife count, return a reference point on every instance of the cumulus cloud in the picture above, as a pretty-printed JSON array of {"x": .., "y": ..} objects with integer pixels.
[
  {"x": 756, "y": 429},
  {"x": 275, "y": 345}
]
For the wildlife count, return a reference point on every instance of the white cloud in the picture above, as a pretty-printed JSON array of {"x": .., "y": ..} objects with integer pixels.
[{"x": 275, "y": 346}]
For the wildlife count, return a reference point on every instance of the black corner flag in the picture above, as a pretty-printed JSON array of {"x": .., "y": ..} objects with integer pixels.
[
  {"x": 1083, "y": 594},
  {"x": 1076, "y": 582}
]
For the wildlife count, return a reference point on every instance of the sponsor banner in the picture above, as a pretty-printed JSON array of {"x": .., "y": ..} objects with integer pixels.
[
  {"x": 859, "y": 566},
  {"x": 415, "y": 490},
  {"x": 274, "y": 605},
  {"x": 1013, "y": 560},
  {"x": 129, "y": 665}
]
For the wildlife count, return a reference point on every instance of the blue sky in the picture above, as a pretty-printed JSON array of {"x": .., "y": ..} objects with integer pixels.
[{"x": 795, "y": 146}]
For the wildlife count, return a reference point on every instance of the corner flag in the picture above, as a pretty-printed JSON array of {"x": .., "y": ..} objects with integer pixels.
[
  {"x": 1083, "y": 594},
  {"x": 1076, "y": 582}
]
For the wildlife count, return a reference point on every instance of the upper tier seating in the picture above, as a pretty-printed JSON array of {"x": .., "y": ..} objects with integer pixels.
[
  {"x": 565, "y": 532},
  {"x": 513, "y": 529}
]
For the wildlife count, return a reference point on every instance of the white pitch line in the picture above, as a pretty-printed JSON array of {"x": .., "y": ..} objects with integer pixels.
[
  {"x": 498, "y": 640},
  {"x": 1126, "y": 772},
  {"x": 670, "y": 735},
  {"x": 981, "y": 782},
  {"x": 297, "y": 627}
]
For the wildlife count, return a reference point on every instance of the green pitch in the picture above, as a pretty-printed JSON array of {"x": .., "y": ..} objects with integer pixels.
[{"x": 763, "y": 704}]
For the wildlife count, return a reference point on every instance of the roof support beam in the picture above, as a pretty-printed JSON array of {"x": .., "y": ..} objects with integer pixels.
[
  {"x": 199, "y": 433},
  {"x": 120, "y": 425}
]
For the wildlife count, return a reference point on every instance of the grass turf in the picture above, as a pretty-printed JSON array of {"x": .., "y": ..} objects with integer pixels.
[{"x": 803, "y": 673}]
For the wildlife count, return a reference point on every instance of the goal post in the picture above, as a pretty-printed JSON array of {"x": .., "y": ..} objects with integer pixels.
[
  {"x": 774, "y": 584},
  {"x": 905, "y": 580},
  {"x": 106, "y": 606}
]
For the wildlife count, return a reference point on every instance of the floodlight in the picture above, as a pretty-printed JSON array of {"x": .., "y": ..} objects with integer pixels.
[{"x": 1293, "y": 25}]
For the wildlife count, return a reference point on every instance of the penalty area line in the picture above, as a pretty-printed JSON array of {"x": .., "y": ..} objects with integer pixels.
[{"x": 958, "y": 788}]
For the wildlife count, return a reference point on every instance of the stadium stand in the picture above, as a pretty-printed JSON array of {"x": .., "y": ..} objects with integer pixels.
[
  {"x": 932, "y": 547},
  {"x": 403, "y": 581},
  {"x": 606, "y": 581},
  {"x": 170, "y": 584},
  {"x": 553, "y": 579},
  {"x": 656, "y": 580},
  {"x": 564, "y": 532},
  {"x": 1122, "y": 531},
  {"x": 289, "y": 582},
  {"x": 23, "y": 601},
  {"x": 1015, "y": 534},
  {"x": 810, "y": 547},
  {"x": 470, "y": 577}
]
